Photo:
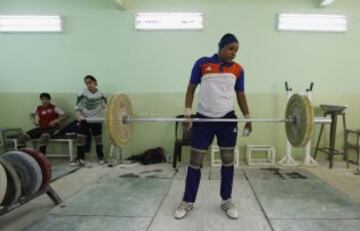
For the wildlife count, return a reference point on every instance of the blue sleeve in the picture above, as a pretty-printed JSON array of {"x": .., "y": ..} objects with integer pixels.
[
  {"x": 239, "y": 85},
  {"x": 196, "y": 73}
]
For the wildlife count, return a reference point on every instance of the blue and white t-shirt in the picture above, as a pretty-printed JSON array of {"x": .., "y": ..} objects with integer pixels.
[{"x": 218, "y": 84}]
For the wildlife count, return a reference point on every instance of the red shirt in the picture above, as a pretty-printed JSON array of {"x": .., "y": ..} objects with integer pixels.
[{"x": 46, "y": 115}]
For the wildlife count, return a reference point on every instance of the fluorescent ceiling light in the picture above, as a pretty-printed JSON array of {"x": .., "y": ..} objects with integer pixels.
[
  {"x": 30, "y": 23},
  {"x": 324, "y": 3},
  {"x": 312, "y": 22},
  {"x": 169, "y": 21}
]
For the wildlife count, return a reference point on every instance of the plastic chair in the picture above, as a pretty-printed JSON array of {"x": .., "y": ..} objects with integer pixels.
[{"x": 179, "y": 142}]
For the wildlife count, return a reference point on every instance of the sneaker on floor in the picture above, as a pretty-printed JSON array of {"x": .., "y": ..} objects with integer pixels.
[
  {"x": 74, "y": 163},
  {"x": 101, "y": 161},
  {"x": 230, "y": 209},
  {"x": 183, "y": 209},
  {"x": 79, "y": 162}
]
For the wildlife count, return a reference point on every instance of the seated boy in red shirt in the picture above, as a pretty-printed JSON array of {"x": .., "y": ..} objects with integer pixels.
[{"x": 47, "y": 118}]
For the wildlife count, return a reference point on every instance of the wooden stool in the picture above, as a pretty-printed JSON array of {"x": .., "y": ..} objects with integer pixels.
[{"x": 334, "y": 112}]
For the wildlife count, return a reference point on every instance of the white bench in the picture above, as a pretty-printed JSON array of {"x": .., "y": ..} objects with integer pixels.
[
  {"x": 268, "y": 149},
  {"x": 70, "y": 143}
]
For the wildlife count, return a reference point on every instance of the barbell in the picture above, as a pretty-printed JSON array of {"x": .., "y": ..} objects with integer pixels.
[{"x": 299, "y": 120}]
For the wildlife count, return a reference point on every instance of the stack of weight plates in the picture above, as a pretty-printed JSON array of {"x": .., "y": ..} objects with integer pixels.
[
  {"x": 3, "y": 183},
  {"x": 13, "y": 187},
  {"x": 44, "y": 164},
  {"x": 22, "y": 174}
]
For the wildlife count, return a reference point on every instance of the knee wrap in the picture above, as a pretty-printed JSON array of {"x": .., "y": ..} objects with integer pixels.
[
  {"x": 227, "y": 156},
  {"x": 196, "y": 158},
  {"x": 23, "y": 138},
  {"x": 44, "y": 139},
  {"x": 98, "y": 140},
  {"x": 80, "y": 140}
]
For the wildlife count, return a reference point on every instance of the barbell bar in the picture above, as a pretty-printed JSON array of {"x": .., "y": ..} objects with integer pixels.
[
  {"x": 128, "y": 120},
  {"x": 299, "y": 120}
]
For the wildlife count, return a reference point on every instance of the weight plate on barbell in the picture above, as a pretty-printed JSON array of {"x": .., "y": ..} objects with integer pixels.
[
  {"x": 299, "y": 130},
  {"x": 118, "y": 108}
]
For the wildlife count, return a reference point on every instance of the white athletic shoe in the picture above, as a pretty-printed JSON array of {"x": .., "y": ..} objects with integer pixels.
[
  {"x": 230, "y": 209},
  {"x": 101, "y": 162},
  {"x": 79, "y": 162},
  {"x": 74, "y": 163},
  {"x": 183, "y": 209}
]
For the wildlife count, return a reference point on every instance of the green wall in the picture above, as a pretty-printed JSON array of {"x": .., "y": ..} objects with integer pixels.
[{"x": 153, "y": 67}]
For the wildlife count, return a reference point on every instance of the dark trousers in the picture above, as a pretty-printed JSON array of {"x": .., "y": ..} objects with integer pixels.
[
  {"x": 202, "y": 135},
  {"x": 192, "y": 183},
  {"x": 85, "y": 130},
  {"x": 44, "y": 134},
  {"x": 88, "y": 141}
]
